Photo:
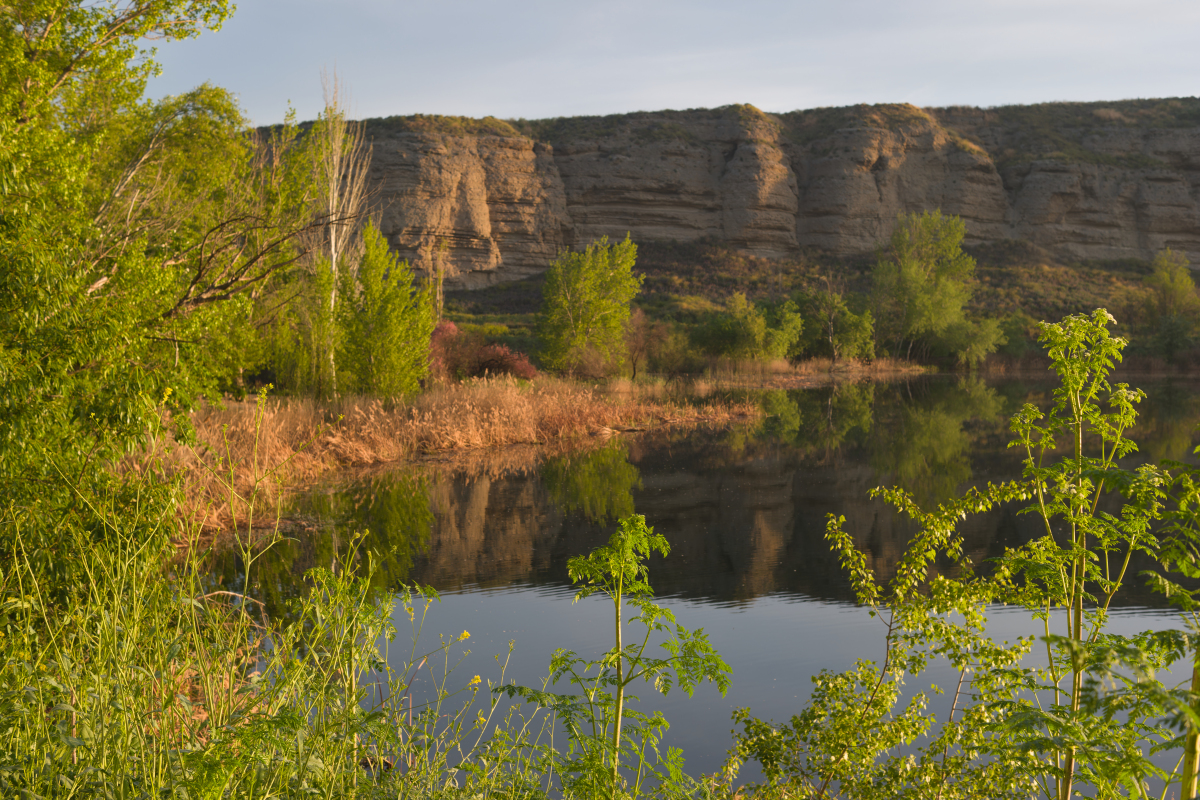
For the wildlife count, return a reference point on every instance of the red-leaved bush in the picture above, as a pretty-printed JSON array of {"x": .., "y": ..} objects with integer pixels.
[
  {"x": 454, "y": 355},
  {"x": 499, "y": 359}
]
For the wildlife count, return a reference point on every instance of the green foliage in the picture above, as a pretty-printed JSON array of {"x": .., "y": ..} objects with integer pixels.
[
  {"x": 130, "y": 235},
  {"x": 833, "y": 330},
  {"x": 598, "y": 484},
  {"x": 1173, "y": 289},
  {"x": 387, "y": 323},
  {"x": 603, "y": 731},
  {"x": 921, "y": 286},
  {"x": 748, "y": 332},
  {"x": 585, "y": 305},
  {"x": 971, "y": 341},
  {"x": 1173, "y": 305},
  {"x": 1087, "y": 719},
  {"x": 921, "y": 282},
  {"x": 303, "y": 331},
  {"x": 151, "y": 684}
]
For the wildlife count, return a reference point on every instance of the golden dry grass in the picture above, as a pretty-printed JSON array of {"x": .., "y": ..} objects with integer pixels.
[
  {"x": 249, "y": 454},
  {"x": 808, "y": 374}
]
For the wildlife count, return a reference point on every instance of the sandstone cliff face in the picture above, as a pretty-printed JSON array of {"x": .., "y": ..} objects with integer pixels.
[
  {"x": 486, "y": 207},
  {"x": 498, "y": 206}
]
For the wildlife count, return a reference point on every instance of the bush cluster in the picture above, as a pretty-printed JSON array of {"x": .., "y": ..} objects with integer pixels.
[{"x": 457, "y": 355}]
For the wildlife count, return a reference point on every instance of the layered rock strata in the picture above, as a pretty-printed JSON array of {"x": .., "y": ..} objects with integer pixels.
[{"x": 496, "y": 202}]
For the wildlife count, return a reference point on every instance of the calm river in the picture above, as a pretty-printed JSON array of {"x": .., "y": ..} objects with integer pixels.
[{"x": 744, "y": 510}]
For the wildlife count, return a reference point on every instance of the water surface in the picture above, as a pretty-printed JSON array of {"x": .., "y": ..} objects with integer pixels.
[{"x": 744, "y": 510}]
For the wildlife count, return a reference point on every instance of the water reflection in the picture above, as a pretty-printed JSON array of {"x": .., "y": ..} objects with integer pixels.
[
  {"x": 1168, "y": 425},
  {"x": 386, "y": 519},
  {"x": 597, "y": 484},
  {"x": 744, "y": 509},
  {"x": 925, "y": 444}
]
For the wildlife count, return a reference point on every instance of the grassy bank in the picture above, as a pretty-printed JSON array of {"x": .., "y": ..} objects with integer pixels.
[{"x": 259, "y": 450}]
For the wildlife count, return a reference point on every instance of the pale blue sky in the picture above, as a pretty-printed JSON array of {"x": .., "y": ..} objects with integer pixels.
[{"x": 546, "y": 58}]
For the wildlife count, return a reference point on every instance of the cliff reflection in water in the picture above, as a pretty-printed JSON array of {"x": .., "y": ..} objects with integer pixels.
[{"x": 744, "y": 509}]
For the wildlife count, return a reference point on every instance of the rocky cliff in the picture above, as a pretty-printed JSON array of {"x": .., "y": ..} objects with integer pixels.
[{"x": 492, "y": 201}]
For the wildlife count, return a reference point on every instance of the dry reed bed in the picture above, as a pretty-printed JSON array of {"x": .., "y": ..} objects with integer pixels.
[
  {"x": 257, "y": 451},
  {"x": 809, "y": 374}
]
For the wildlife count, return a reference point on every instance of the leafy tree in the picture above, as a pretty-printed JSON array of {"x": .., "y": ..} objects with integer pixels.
[
  {"x": 921, "y": 285},
  {"x": 643, "y": 339},
  {"x": 133, "y": 237},
  {"x": 833, "y": 330},
  {"x": 585, "y": 305},
  {"x": 1173, "y": 302},
  {"x": 114, "y": 249},
  {"x": 341, "y": 159},
  {"x": 387, "y": 323},
  {"x": 1171, "y": 284},
  {"x": 972, "y": 340},
  {"x": 747, "y": 332}
]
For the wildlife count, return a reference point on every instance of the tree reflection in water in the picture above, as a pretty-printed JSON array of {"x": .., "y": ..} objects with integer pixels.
[
  {"x": 389, "y": 513},
  {"x": 598, "y": 483}
]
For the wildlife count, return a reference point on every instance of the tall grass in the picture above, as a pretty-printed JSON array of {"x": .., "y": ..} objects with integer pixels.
[
  {"x": 152, "y": 685},
  {"x": 304, "y": 439}
]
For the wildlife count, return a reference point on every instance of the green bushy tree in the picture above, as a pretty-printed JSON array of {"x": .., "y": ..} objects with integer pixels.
[
  {"x": 748, "y": 332},
  {"x": 387, "y": 323},
  {"x": 833, "y": 330},
  {"x": 585, "y": 305},
  {"x": 1173, "y": 304},
  {"x": 128, "y": 231},
  {"x": 922, "y": 283}
]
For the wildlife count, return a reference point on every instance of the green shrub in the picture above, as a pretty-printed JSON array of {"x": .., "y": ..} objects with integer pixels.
[
  {"x": 1088, "y": 717},
  {"x": 832, "y": 330},
  {"x": 747, "y": 332}
]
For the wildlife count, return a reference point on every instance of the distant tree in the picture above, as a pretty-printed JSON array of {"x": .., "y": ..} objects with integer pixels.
[
  {"x": 642, "y": 339},
  {"x": 1173, "y": 290},
  {"x": 748, "y": 332},
  {"x": 341, "y": 158},
  {"x": 386, "y": 322},
  {"x": 832, "y": 329},
  {"x": 921, "y": 282},
  {"x": 1173, "y": 302},
  {"x": 585, "y": 305}
]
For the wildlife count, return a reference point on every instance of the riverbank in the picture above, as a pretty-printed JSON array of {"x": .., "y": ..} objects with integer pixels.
[{"x": 248, "y": 454}]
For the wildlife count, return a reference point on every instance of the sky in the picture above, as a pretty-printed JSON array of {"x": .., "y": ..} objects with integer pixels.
[{"x": 550, "y": 58}]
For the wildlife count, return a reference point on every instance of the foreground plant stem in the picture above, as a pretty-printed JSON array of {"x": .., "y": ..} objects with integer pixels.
[
  {"x": 1191, "y": 746},
  {"x": 620, "y": 688}
]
